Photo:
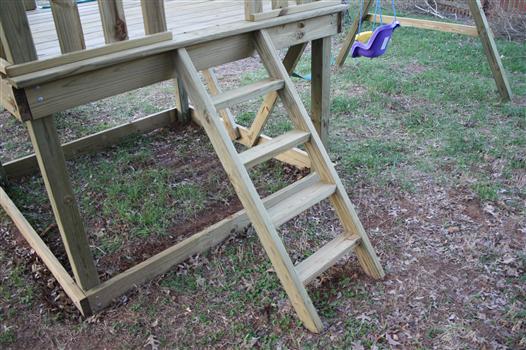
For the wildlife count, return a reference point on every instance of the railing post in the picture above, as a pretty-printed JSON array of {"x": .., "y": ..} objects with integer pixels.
[
  {"x": 67, "y": 23},
  {"x": 113, "y": 20}
]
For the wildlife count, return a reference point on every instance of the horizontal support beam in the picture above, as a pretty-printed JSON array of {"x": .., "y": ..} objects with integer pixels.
[
  {"x": 426, "y": 24},
  {"x": 28, "y": 164},
  {"x": 265, "y": 15},
  {"x": 101, "y": 296},
  {"x": 56, "y": 96},
  {"x": 58, "y": 271}
]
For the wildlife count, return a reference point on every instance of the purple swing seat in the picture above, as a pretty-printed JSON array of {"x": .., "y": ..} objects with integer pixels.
[{"x": 377, "y": 43}]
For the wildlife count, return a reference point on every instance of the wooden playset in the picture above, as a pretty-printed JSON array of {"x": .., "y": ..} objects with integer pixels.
[{"x": 33, "y": 90}]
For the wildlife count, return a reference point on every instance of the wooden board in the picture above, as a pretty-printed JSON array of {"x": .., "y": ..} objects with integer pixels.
[{"x": 427, "y": 24}]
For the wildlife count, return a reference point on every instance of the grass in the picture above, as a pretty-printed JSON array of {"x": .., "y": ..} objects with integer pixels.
[{"x": 423, "y": 116}]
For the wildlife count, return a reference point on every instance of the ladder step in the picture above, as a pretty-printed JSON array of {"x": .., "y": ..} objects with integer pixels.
[
  {"x": 247, "y": 92},
  {"x": 299, "y": 201},
  {"x": 277, "y": 145},
  {"x": 324, "y": 258}
]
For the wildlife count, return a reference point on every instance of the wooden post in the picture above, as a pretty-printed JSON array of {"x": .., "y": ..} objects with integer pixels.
[
  {"x": 154, "y": 22},
  {"x": 279, "y": 4},
  {"x": 490, "y": 49},
  {"x": 113, "y": 21},
  {"x": 18, "y": 46},
  {"x": 67, "y": 23},
  {"x": 321, "y": 87},
  {"x": 349, "y": 39},
  {"x": 251, "y": 7},
  {"x": 30, "y": 5},
  {"x": 50, "y": 158}
]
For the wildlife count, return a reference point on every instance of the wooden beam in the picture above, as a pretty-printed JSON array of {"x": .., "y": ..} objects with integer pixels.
[
  {"x": 351, "y": 35},
  {"x": 321, "y": 87},
  {"x": 58, "y": 271},
  {"x": 95, "y": 142},
  {"x": 252, "y": 7},
  {"x": 53, "y": 167},
  {"x": 490, "y": 49},
  {"x": 261, "y": 16},
  {"x": 279, "y": 4},
  {"x": 113, "y": 21},
  {"x": 67, "y": 23},
  {"x": 426, "y": 24},
  {"x": 13, "y": 70},
  {"x": 15, "y": 33}
]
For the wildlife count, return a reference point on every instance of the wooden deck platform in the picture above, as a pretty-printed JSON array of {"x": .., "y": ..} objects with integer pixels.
[{"x": 182, "y": 16}]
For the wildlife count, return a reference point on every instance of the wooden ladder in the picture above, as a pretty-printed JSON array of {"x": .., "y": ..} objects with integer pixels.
[{"x": 267, "y": 214}]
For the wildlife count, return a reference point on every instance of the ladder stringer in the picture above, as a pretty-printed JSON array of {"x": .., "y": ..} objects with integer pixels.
[
  {"x": 320, "y": 160},
  {"x": 246, "y": 191}
]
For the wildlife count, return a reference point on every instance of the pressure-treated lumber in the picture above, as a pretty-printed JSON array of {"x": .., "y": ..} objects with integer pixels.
[
  {"x": 113, "y": 21},
  {"x": 30, "y": 5},
  {"x": 269, "y": 150},
  {"x": 95, "y": 142},
  {"x": 427, "y": 24},
  {"x": 321, "y": 87},
  {"x": 13, "y": 70},
  {"x": 490, "y": 49},
  {"x": 252, "y": 7},
  {"x": 260, "y": 16},
  {"x": 15, "y": 34},
  {"x": 320, "y": 160},
  {"x": 226, "y": 114},
  {"x": 154, "y": 16},
  {"x": 351, "y": 35},
  {"x": 246, "y": 93},
  {"x": 247, "y": 194},
  {"x": 297, "y": 203},
  {"x": 53, "y": 167},
  {"x": 279, "y": 4},
  {"x": 67, "y": 283},
  {"x": 103, "y": 294},
  {"x": 67, "y": 23},
  {"x": 290, "y": 62},
  {"x": 324, "y": 258}
]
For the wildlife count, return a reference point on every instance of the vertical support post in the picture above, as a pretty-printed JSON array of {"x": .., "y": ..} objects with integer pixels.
[
  {"x": 67, "y": 23},
  {"x": 351, "y": 36},
  {"x": 48, "y": 151},
  {"x": 251, "y": 7},
  {"x": 490, "y": 49},
  {"x": 321, "y": 87},
  {"x": 19, "y": 48},
  {"x": 154, "y": 19},
  {"x": 279, "y": 4},
  {"x": 113, "y": 21},
  {"x": 30, "y": 5}
]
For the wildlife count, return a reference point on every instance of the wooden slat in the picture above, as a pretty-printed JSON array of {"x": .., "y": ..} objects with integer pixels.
[
  {"x": 427, "y": 24},
  {"x": 321, "y": 87},
  {"x": 154, "y": 16},
  {"x": 324, "y": 258},
  {"x": 247, "y": 193},
  {"x": 15, "y": 34},
  {"x": 490, "y": 49},
  {"x": 13, "y": 70},
  {"x": 268, "y": 150},
  {"x": 67, "y": 23},
  {"x": 30, "y": 5},
  {"x": 261, "y": 16},
  {"x": 102, "y": 295},
  {"x": 252, "y": 7},
  {"x": 95, "y": 142},
  {"x": 279, "y": 4},
  {"x": 320, "y": 160},
  {"x": 246, "y": 93},
  {"x": 290, "y": 62},
  {"x": 351, "y": 35},
  {"x": 48, "y": 258},
  {"x": 53, "y": 167},
  {"x": 113, "y": 21},
  {"x": 226, "y": 114},
  {"x": 297, "y": 203}
]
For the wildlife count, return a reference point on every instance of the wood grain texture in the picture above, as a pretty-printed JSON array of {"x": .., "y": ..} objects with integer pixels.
[
  {"x": 321, "y": 87},
  {"x": 490, "y": 49},
  {"x": 113, "y": 20},
  {"x": 246, "y": 93},
  {"x": 427, "y": 24},
  {"x": 53, "y": 167},
  {"x": 67, "y": 23},
  {"x": 15, "y": 34},
  {"x": 154, "y": 16}
]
